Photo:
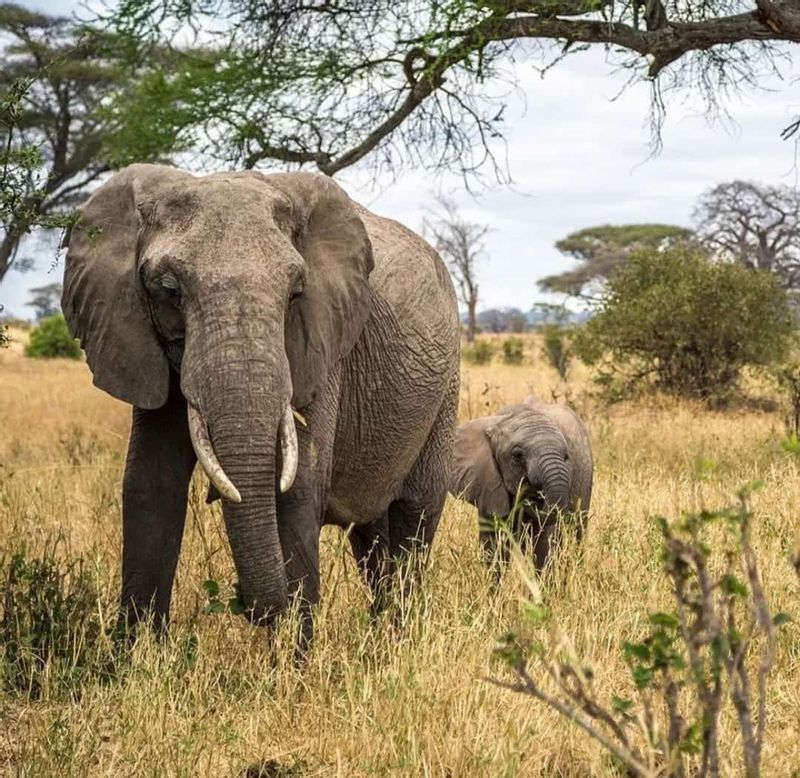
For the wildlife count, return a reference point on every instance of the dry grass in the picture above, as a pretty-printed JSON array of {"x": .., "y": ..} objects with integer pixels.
[{"x": 373, "y": 699}]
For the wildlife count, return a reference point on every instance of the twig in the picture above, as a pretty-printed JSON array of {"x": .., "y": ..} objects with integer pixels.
[{"x": 526, "y": 685}]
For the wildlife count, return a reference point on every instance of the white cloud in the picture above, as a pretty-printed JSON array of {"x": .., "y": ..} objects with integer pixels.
[{"x": 578, "y": 159}]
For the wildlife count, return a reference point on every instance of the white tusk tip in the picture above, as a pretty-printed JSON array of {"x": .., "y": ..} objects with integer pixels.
[
  {"x": 286, "y": 484},
  {"x": 233, "y": 496}
]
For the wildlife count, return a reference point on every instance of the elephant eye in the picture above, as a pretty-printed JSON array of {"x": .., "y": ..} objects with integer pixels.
[
  {"x": 517, "y": 454},
  {"x": 297, "y": 291},
  {"x": 566, "y": 456},
  {"x": 170, "y": 283}
]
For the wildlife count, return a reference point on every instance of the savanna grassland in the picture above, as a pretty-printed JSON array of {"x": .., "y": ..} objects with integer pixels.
[{"x": 373, "y": 698}]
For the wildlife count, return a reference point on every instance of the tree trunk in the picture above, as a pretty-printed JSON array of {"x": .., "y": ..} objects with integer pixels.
[
  {"x": 7, "y": 248},
  {"x": 472, "y": 325}
]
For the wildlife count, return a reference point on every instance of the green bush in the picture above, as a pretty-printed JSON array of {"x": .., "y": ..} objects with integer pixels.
[
  {"x": 50, "y": 629},
  {"x": 715, "y": 645},
  {"x": 686, "y": 324},
  {"x": 557, "y": 349},
  {"x": 51, "y": 338},
  {"x": 513, "y": 351},
  {"x": 479, "y": 353},
  {"x": 787, "y": 376}
]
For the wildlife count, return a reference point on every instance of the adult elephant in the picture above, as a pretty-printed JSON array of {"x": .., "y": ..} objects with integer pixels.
[{"x": 302, "y": 349}]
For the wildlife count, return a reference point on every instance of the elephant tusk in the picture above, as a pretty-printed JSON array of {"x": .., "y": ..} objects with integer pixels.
[
  {"x": 299, "y": 416},
  {"x": 288, "y": 436},
  {"x": 198, "y": 431}
]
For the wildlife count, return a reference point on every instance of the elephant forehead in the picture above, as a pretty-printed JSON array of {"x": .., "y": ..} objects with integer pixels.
[
  {"x": 525, "y": 429},
  {"x": 224, "y": 205}
]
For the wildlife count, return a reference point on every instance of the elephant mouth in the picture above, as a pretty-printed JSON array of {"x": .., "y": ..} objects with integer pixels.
[{"x": 532, "y": 499}]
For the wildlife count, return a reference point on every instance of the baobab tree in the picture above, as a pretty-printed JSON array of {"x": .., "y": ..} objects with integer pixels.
[{"x": 755, "y": 225}]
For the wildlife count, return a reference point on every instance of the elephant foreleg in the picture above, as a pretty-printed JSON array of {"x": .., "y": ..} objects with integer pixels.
[
  {"x": 301, "y": 509},
  {"x": 494, "y": 546},
  {"x": 545, "y": 541},
  {"x": 154, "y": 491},
  {"x": 299, "y": 529}
]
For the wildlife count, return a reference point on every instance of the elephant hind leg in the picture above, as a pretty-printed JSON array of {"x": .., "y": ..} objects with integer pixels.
[{"x": 370, "y": 544}]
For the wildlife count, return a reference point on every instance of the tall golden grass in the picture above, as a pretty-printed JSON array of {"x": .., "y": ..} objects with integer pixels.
[{"x": 376, "y": 698}]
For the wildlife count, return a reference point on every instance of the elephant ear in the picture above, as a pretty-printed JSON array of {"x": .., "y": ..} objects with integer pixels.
[
  {"x": 325, "y": 323},
  {"x": 474, "y": 475},
  {"x": 103, "y": 300}
]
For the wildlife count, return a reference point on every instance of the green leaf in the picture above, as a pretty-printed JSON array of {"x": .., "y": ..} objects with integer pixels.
[
  {"x": 190, "y": 648},
  {"x": 667, "y": 620},
  {"x": 731, "y": 585},
  {"x": 535, "y": 614},
  {"x": 791, "y": 445},
  {"x": 631, "y": 651},
  {"x": 753, "y": 486},
  {"x": 215, "y": 606},
  {"x": 211, "y": 588},
  {"x": 620, "y": 704},
  {"x": 642, "y": 676},
  {"x": 779, "y": 619}
]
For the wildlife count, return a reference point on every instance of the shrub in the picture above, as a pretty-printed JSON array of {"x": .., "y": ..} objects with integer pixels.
[
  {"x": 3, "y": 332},
  {"x": 479, "y": 353},
  {"x": 684, "y": 664},
  {"x": 51, "y": 338},
  {"x": 556, "y": 349},
  {"x": 513, "y": 351},
  {"x": 787, "y": 377},
  {"x": 685, "y": 323},
  {"x": 49, "y": 622}
]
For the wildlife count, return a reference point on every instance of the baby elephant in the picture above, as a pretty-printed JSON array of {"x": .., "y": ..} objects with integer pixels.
[{"x": 540, "y": 449}]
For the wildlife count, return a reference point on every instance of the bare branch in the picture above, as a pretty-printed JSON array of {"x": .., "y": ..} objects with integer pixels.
[{"x": 526, "y": 685}]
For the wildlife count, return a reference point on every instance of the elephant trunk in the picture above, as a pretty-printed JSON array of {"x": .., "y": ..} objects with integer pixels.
[
  {"x": 246, "y": 446},
  {"x": 553, "y": 474},
  {"x": 243, "y": 432}
]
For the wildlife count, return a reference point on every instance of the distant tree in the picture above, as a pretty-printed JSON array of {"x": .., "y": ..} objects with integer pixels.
[
  {"x": 460, "y": 244},
  {"x": 517, "y": 322},
  {"x": 54, "y": 78},
  {"x": 502, "y": 320},
  {"x": 599, "y": 250},
  {"x": 686, "y": 323},
  {"x": 46, "y": 300},
  {"x": 755, "y": 225},
  {"x": 491, "y": 320}
]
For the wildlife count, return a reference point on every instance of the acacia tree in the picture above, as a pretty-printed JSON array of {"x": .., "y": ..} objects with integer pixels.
[
  {"x": 599, "y": 250},
  {"x": 329, "y": 82},
  {"x": 54, "y": 79},
  {"x": 460, "y": 244},
  {"x": 754, "y": 225},
  {"x": 46, "y": 300}
]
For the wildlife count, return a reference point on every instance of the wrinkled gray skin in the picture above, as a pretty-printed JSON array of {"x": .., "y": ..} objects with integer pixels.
[
  {"x": 542, "y": 447},
  {"x": 240, "y": 294}
]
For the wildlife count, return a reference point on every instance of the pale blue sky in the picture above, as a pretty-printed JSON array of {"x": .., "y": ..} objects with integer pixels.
[{"x": 577, "y": 159}]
